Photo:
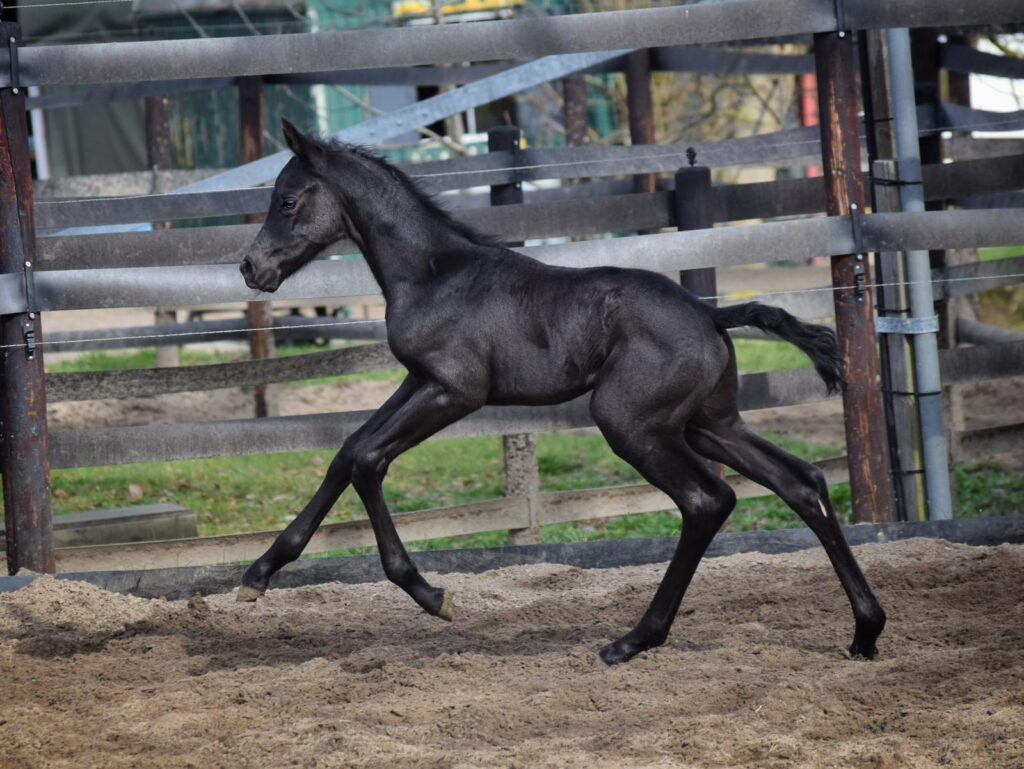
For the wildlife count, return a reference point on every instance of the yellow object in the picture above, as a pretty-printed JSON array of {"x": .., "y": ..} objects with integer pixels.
[{"x": 422, "y": 7}]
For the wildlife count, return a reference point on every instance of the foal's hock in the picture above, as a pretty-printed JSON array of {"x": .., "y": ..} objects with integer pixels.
[{"x": 476, "y": 323}]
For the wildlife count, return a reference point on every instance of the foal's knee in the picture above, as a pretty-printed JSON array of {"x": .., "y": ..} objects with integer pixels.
[
  {"x": 367, "y": 466},
  {"x": 707, "y": 510}
]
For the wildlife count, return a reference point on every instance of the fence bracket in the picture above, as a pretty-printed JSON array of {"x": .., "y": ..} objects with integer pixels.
[
  {"x": 857, "y": 228},
  {"x": 929, "y": 325},
  {"x": 12, "y": 49},
  {"x": 840, "y": 10},
  {"x": 30, "y": 306}
]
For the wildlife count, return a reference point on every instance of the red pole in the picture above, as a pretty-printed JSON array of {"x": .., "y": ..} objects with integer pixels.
[
  {"x": 24, "y": 451},
  {"x": 866, "y": 445}
]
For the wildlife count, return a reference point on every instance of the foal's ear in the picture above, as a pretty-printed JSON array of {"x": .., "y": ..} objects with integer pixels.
[{"x": 305, "y": 148}]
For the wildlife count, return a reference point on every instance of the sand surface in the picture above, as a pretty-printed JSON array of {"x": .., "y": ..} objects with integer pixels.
[{"x": 356, "y": 676}]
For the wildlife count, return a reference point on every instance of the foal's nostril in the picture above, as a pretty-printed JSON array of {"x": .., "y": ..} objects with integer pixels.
[{"x": 246, "y": 269}]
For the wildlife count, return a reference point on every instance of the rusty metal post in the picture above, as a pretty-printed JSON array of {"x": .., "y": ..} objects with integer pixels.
[
  {"x": 260, "y": 314},
  {"x": 641, "y": 110},
  {"x": 24, "y": 451},
  {"x": 522, "y": 476},
  {"x": 866, "y": 445}
]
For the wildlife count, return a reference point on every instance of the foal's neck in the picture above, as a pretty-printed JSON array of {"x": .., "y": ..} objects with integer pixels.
[{"x": 402, "y": 236}]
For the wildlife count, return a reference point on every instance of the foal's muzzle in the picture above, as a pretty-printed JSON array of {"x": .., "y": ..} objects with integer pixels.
[{"x": 252, "y": 280}]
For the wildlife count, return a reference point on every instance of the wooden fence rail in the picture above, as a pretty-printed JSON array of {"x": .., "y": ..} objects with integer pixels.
[
  {"x": 196, "y": 440},
  {"x": 585, "y": 216}
]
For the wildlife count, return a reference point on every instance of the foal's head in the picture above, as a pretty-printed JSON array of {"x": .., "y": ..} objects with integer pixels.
[{"x": 307, "y": 213}]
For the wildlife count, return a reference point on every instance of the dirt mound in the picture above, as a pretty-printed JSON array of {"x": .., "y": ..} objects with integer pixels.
[{"x": 337, "y": 675}]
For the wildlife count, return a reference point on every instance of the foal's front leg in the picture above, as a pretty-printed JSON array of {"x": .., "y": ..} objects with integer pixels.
[
  {"x": 430, "y": 409},
  {"x": 293, "y": 540}
]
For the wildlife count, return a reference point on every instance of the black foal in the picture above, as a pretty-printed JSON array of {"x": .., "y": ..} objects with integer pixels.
[{"x": 476, "y": 323}]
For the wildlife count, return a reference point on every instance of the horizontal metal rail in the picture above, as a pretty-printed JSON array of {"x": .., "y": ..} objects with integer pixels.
[
  {"x": 486, "y": 41},
  {"x": 665, "y": 252}
]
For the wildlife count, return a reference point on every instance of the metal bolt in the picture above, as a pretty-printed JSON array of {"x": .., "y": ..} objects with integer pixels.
[
  {"x": 853, "y": 206},
  {"x": 14, "y": 90},
  {"x": 28, "y": 264},
  {"x": 842, "y": 34},
  {"x": 31, "y": 316},
  {"x": 860, "y": 257}
]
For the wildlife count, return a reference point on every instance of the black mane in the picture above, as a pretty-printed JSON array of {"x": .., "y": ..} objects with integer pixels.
[{"x": 428, "y": 201}]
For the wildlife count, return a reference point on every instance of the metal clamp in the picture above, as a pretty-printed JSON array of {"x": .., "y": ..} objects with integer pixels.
[
  {"x": 857, "y": 228},
  {"x": 840, "y": 10},
  {"x": 929, "y": 325},
  {"x": 12, "y": 49},
  {"x": 30, "y": 305}
]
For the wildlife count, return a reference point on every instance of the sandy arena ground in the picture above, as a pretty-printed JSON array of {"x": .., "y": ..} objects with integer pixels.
[{"x": 356, "y": 676}]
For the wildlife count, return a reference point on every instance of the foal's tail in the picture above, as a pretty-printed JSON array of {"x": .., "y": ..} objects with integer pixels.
[{"x": 817, "y": 342}]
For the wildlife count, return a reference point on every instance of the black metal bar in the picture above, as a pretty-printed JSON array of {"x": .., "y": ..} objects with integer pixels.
[{"x": 694, "y": 207}]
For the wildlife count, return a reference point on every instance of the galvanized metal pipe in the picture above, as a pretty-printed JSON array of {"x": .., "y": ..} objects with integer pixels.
[{"x": 935, "y": 448}]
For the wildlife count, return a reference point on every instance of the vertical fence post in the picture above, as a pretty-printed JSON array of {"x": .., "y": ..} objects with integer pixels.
[
  {"x": 260, "y": 314},
  {"x": 24, "y": 452},
  {"x": 522, "y": 477},
  {"x": 694, "y": 205},
  {"x": 870, "y": 482},
  {"x": 641, "y": 110},
  {"x": 158, "y": 155},
  {"x": 574, "y": 100}
]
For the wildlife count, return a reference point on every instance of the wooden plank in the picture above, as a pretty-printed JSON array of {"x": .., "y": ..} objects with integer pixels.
[
  {"x": 142, "y": 523},
  {"x": 143, "y": 383},
  {"x": 506, "y": 513},
  {"x": 509, "y": 512},
  {"x": 987, "y": 441}
]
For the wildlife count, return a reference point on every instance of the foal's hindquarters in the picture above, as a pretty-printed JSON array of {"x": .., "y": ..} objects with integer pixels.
[{"x": 667, "y": 403}]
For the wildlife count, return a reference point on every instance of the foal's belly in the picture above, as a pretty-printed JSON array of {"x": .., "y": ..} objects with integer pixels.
[{"x": 541, "y": 378}]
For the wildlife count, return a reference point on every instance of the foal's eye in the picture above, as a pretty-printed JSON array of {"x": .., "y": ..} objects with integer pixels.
[{"x": 288, "y": 204}]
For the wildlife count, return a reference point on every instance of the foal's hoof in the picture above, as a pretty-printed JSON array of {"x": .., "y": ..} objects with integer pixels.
[
  {"x": 863, "y": 651},
  {"x": 447, "y": 610},
  {"x": 248, "y": 594},
  {"x": 626, "y": 648}
]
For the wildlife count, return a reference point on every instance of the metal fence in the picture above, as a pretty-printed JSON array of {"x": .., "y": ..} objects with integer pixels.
[{"x": 189, "y": 267}]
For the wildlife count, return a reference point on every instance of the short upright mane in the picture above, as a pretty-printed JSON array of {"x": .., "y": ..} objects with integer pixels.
[{"x": 430, "y": 205}]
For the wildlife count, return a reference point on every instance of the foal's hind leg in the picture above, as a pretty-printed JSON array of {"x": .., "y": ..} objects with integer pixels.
[
  {"x": 662, "y": 456},
  {"x": 802, "y": 486},
  {"x": 292, "y": 541}
]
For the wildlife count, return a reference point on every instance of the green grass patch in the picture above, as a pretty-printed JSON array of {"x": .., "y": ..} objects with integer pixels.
[{"x": 995, "y": 253}]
